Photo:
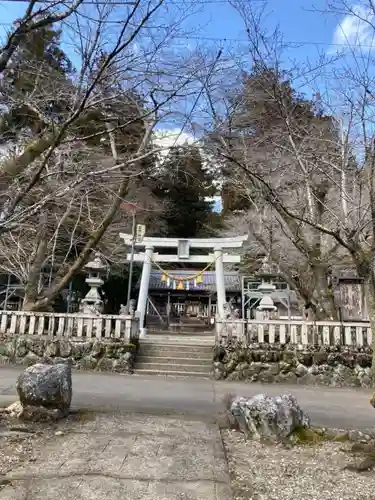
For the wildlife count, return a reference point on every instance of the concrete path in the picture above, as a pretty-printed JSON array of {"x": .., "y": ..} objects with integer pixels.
[{"x": 133, "y": 458}]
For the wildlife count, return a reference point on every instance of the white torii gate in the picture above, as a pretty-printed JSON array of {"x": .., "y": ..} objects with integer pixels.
[{"x": 183, "y": 247}]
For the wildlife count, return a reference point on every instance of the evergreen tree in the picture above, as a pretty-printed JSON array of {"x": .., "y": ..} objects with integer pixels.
[
  {"x": 184, "y": 186},
  {"x": 35, "y": 86}
]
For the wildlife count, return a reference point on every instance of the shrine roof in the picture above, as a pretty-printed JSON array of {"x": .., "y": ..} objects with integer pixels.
[{"x": 232, "y": 280}]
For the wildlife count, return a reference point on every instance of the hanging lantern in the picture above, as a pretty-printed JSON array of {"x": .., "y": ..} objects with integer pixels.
[
  {"x": 199, "y": 279},
  {"x": 164, "y": 277},
  {"x": 180, "y": 286}
]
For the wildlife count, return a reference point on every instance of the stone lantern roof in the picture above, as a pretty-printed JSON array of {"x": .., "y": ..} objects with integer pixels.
[
  {"x": 267, "y": 270},
  {"x": 96, "y": 265}
]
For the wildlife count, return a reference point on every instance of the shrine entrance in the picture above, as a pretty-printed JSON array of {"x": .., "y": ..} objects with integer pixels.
[{"x": 150, "y": 258}]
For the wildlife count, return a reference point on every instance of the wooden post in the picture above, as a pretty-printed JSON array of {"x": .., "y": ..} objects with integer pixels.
[{"x": 169, "y": 309}]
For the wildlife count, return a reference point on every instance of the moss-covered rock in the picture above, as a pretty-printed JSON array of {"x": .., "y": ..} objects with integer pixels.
[
  {"x": 335, "y": 366},
  {"x": 306, "y": 436},
  {"x": 81, "y": 353},
  {"x": 320, "y": 358}
]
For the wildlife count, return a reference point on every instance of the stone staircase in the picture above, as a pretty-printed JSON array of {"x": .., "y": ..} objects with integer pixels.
[{"x": 180, "y": 355}]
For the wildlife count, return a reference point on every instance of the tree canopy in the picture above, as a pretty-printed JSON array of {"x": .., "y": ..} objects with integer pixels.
[{"x": 184, "y": 186}]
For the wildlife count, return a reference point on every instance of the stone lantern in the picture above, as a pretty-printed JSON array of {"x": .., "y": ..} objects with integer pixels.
[
  {"x": 266, "y": 305},
  {"x": 92, "y": 303}
]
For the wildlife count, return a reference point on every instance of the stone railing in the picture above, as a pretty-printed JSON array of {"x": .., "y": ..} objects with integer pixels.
[
  {"x": 74, "y": 325},
  {"x": 296, "y": 332}
]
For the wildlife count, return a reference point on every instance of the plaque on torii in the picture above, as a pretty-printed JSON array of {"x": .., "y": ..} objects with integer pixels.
[{"x": 182, "y": 248}]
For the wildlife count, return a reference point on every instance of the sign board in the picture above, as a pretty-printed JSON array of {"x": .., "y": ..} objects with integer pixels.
[
  {"x": 140, "y": 232},
  {"x": 183, "y": 249},
  {"x": 129, "y": 207}
]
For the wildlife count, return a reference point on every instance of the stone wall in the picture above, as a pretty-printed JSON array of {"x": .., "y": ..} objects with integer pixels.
[
  {"x": 84, "y": 354},
  {"x": 338, "y": 366}
]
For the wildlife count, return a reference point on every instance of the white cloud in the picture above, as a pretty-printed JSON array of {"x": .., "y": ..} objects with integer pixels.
[
  {"x": 170, "y": 138},
  {"x": 354, "y": 30}
]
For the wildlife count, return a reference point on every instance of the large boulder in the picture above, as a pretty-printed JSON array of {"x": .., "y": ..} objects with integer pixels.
[
  {"x": 46, "y": 386},
  {"x": 269, "y": 417}
]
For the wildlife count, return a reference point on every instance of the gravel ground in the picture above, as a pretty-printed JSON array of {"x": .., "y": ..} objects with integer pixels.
[
  {"x": 305, "y": 472},
  {"x": 14, "y": 450},
  {"x": 19, "y": 442}
]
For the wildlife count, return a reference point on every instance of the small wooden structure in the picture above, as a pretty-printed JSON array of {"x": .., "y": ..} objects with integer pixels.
[{"x": 350, "y": 297}]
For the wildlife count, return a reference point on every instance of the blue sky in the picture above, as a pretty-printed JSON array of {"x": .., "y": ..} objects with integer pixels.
[
  {"x": 217, "y": 19},
  {"x": 216, "y": 24},
  {"x": 295, "y": 21}
]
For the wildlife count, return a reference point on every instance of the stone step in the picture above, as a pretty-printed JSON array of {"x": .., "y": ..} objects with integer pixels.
[
  {"x": 174, "y": 361},
  {"x": 190, "y": 326},
  {"x": 179, "y": 340},
  {"x": 200, "y": 357},
  {"x": 183, "y": 333},
  {"x": 165, "y": 367},
  {"x": 175, "y": 355},
  {"x": 172, "y": 373},
  {"x": 175, "y": 351}
]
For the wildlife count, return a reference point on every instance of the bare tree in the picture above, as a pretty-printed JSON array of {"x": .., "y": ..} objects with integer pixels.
[
  {"x": 83, "y": 137},
  {"x": 342, "y": 216},
  {"x": 294, "y": 158}
]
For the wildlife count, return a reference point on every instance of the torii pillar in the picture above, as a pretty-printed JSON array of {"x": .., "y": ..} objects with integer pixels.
[
  {"x": 220, "y": 282},
  {"x": 143, "y": 289}
]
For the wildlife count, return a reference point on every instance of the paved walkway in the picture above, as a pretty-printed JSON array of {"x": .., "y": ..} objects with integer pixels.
[{"x": 135, "y": 457}]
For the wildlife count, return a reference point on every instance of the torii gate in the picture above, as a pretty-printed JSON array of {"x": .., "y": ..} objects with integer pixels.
[{"x": 183, "y": 247}]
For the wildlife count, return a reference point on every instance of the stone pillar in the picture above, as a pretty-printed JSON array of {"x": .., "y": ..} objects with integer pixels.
[
  {"x": 143, "y": 289},
  {"x": 220, "y": 284}
]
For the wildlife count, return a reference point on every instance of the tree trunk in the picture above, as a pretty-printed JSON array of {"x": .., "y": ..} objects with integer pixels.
[
  {"x": 49, "y": 296},
  {"x": 11, "y": 167},
  {"x": 370, "y": 302},
  {"x": 317, "y": 294},
  {"x": 365, "y": 270},
  {"x": 32, "y": 283}
]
